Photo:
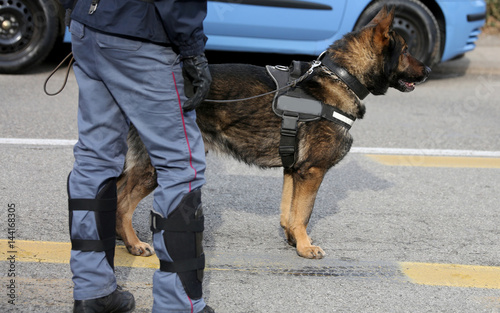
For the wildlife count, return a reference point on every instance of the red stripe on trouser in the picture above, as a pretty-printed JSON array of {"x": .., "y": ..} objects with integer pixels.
[
  {"x": 185, "y": 131},
  {"x": 189, "y": 148}
]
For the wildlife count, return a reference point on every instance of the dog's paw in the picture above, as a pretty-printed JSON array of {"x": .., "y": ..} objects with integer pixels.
[
  {"x": 311, "y": 252},
  {"x": 141, "y": 249}
]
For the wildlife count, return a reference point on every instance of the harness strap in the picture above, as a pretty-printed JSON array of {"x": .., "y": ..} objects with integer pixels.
[
  {"x": 337, "y": 116},
  {"x": 288, "y": 140}
]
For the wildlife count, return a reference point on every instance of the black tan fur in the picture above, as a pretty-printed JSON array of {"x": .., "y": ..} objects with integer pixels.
[{"x": 250, "y": 130}]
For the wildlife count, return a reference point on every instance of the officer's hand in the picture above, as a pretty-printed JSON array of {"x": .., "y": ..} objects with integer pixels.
[
  {"x": 67, "y": 17},
  {"x": 195, "y": 69}
]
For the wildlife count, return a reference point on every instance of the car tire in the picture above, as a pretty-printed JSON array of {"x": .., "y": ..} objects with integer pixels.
[
  {"x": 28, "y": 31},
  {"x": 415, "y": 22}
]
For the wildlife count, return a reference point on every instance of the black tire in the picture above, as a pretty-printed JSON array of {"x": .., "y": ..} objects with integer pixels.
[
  {"x": 28, "y": 31},
  {"x": 415, "y": 22}
]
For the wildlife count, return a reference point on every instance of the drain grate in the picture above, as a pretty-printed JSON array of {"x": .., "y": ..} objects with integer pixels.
[{"x": 362, "y": 271}]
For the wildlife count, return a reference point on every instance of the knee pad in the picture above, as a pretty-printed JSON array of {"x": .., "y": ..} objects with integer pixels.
[
  {"x": 104, "y": 208},
  {"x": 183, "y": 235}
]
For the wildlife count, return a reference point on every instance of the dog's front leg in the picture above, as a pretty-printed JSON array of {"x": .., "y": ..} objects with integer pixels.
[
  {"x": 305, "y": 188},
  {"x": 286, "y": 200},
  {"x": 128, "y": 199}
]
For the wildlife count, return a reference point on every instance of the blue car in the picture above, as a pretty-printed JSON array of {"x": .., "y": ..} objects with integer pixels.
[{"x": 436, "y": 30}]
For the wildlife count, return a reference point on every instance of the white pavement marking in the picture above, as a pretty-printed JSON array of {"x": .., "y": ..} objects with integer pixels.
[
  {"x": 424, "y": 152},
  {"x": 37, "y": 142},
  {"x": 359, "y": 150}
]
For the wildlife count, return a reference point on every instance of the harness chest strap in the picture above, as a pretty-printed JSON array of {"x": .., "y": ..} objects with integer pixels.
[{"x": 288, "y": 140}]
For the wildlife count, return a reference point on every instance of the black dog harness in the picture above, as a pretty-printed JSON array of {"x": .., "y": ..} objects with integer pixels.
[{"x": 293, "y": 105}]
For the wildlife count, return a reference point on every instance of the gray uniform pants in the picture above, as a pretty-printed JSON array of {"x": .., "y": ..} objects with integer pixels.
[{"x": 123, "y": 81}]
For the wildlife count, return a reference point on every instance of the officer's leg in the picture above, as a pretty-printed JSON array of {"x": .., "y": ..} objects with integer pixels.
[
  {"x": 100, "y": 214},
  {"x": 177, "y": 152},
  {"x": 152, "y": 100},
  {"x": 99, "y": 157},
  {"x": 177, "y": 201}
]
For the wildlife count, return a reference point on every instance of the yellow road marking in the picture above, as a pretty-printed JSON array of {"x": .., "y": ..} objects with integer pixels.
[
  {"x": 59, "y": 252},
  {"x": 455, "y": 275},
  {"x": 435, "y": 161}
]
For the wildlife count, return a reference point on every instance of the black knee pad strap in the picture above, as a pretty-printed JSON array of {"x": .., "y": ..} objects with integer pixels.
[
  {"x": 104, "y": 207},
  {"x": 183, "y": 235}
]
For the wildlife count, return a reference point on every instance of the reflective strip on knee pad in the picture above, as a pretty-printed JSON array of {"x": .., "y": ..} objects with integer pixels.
[
  {"x": 183, "y": 235},
  {"x": 104, "y": 208}
]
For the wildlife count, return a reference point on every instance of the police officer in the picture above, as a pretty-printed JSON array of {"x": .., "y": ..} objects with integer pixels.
[{"x": 130, "y": 59}]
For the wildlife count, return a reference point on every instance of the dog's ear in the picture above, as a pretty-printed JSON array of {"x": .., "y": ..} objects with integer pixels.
[
  {"x": 383, "y": 22},
  {"x": 379, "y": 17}
]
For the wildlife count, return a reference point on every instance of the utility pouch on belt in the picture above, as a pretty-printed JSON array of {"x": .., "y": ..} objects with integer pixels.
[
  {"x": 183, "y": 235},
  {"x": 104, "y": 208}
]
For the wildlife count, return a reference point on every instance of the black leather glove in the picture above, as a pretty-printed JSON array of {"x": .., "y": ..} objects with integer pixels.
[
  {"x": 67, "y": 17},
  {"x": 197, "y": 80}
]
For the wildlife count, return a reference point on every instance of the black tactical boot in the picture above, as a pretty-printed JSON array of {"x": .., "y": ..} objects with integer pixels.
[
  {"x": 207, "y": 309},
  {"x": 118, "y": 302}
]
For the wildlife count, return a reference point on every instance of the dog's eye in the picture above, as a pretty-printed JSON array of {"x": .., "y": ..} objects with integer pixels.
[{"x": 405, "y": 50}]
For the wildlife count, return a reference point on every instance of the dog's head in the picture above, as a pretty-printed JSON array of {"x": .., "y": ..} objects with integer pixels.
[{"x": 379, "y": 57}]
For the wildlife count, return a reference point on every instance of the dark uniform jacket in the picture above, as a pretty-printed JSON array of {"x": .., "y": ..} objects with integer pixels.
[{"x": 177, "y": 23}]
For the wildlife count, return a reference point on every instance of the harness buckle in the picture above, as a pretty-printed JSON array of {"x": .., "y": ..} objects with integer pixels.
[
  {"x": 289, "y": 123},
  {"x": 153, "y": 218}
]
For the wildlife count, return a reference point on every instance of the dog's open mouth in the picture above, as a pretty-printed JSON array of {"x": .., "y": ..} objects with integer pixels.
[{"x": 406, "y": 86}]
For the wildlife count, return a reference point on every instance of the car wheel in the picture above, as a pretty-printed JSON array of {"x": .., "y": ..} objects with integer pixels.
[
  {"x": 28, "y": 31},
  {"x": 415, "y": 22}
]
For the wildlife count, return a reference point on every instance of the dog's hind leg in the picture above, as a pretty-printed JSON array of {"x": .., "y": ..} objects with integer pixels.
[
  {"x": 132, "y": 187},
  {"x": 305, "y": 188}
]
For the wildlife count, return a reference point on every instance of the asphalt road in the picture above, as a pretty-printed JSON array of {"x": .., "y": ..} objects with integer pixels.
[{"x": 378, "y": 222}]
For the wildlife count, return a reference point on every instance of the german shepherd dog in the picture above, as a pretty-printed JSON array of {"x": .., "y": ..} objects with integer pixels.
[{"x": 250, "y": 131}]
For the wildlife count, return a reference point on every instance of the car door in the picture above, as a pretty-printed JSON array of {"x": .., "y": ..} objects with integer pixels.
[{"x": 281, "y": 26}]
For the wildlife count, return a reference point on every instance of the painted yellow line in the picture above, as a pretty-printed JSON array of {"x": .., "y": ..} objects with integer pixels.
[
  {"x": 59, "y": 252},
  {"x": 453, "y": 275},
  {"x": 435, "y": 161}
]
